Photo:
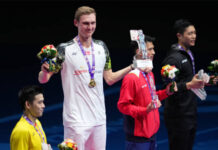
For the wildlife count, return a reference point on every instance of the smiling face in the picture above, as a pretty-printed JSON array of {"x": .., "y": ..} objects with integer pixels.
[
  {"x": 36, "y": 108},
  {"x": 86, "y": 25},
  {"x": 188, "y": 38}
]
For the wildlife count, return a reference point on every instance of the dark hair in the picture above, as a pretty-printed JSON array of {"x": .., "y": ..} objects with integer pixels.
[
  {"x": 180, "y": 25},
  {"x": 28, "y": 93},
  {"x": 134, "y": 45}
]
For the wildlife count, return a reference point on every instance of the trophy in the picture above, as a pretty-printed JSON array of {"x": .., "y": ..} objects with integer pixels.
[
  {"x": 145, "y": 61},
  {"x": 138, "y": 36},
  {"x": 201, "y": 93}
]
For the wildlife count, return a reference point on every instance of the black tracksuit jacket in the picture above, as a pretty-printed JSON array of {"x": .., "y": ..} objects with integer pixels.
[{"x": 180, "y": 109}]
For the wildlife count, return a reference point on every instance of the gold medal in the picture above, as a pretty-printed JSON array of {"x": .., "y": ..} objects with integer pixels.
[{"x": 92, "y": 83}]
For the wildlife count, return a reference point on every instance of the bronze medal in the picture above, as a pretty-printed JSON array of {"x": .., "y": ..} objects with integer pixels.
[{"x": 92, "y": 83}]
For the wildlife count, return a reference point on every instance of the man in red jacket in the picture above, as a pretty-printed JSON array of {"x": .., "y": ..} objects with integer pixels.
[{"x": 138, "y": 97}]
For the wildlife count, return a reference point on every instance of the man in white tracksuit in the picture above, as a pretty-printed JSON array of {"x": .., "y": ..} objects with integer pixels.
[{"x": 86, "y": 62}]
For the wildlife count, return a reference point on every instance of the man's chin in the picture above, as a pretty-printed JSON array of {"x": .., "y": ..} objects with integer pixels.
[
  {"x": 192, "y": 44},
  {"x": 146, "y": 69},
  {"x": 40, "y": 115},
  {"x": 89, "y": 34}
]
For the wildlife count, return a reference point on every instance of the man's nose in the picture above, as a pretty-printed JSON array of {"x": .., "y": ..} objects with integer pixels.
[{"x": 89, "y": 25}]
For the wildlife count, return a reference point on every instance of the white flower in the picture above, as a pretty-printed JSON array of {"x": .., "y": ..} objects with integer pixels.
[
  {"x": 215, "y": 62},
  {"x": 172, "y": 74},
  {"x": 63, "y": 144}
]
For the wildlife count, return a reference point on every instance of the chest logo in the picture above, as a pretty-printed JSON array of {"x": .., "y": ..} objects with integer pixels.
[
  {"x": 143, "y": 86},
  {"x": 74, "y": 53},
  {"x": 88, "y": 52},
  {"x": 184, "y": 60}
]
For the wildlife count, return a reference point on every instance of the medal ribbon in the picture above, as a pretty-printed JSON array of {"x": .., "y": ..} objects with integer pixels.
[
  {"x": 34, "y": 125},
  {"x": 91, "y": 69},
  {"x": 191, "y": 56},
  {"x": 151, "y": 85}
]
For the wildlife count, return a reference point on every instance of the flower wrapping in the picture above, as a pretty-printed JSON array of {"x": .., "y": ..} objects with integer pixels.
[
  {"x": 67, "y": 144},
  {"x": 169, "y": 73},
  {"x": 50, "y": 55}
]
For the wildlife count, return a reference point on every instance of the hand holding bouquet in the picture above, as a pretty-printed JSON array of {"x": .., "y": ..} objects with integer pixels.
[
  {"x": 50, "y": 55},
  {"x": 169, "y": 74},
  {"x": 67, "y": 144}
]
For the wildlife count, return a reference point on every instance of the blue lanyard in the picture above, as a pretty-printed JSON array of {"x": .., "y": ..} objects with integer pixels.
[
  {"x": 191, "y": 56},
  {"x": 34, "y": 125},
  {"x": 152, "y": 90},
  {"x": 91, "y": 69}
]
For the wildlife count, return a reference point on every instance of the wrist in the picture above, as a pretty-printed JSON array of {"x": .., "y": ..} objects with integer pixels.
[
  {"x": 188, "y": 85},
  {"x": 44, "y": 71},
  {"x": 168, "y": 92}
]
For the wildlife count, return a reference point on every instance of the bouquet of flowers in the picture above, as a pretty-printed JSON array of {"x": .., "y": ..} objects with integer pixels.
[
  {"x": 49, "y": 54},
  {"x": 67, "y": 144},
  {"x": 213, "y": 66},
  {"x": 214, "y": 69},
  {"x": 169, "y": 74}
]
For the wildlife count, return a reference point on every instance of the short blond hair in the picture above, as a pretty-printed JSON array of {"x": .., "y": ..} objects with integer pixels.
[{"x": 83, "y": 10}]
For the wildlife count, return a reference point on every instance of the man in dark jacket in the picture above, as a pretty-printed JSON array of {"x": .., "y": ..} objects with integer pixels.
[{"x": 180, "y": 111}]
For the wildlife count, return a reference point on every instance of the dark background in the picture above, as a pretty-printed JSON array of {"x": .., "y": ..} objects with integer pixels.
[{"x": 26, "y": 26}]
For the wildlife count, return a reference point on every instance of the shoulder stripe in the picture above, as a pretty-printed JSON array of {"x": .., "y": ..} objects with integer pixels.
[{"x": 61, "y": 48}]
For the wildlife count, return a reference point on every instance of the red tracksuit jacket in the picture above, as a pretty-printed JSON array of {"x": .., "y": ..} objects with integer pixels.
[{"x": 134, "y": 98}]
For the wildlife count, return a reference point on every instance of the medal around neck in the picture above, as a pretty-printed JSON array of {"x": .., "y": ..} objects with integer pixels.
[
  {"x": 92, "y": 83},
  {"x": 155, "y": 99}
]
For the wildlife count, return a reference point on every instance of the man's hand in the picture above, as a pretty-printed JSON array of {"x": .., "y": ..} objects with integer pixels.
[
  {"x": 159, "y": 104},
  {"x": 195, "y": 83},
  {"x": 151, "y": 106},
  {"x": 45, "y": 74},
  {"x": 213, "y": 80},
  {"x": 168, "y": 88},
  {"x": 45, "y": 67}
]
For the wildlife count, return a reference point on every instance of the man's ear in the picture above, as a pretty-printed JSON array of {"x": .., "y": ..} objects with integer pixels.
[
  {"x": 27, "y": 105},
  {"x": 179, "y": 35},
  {"x": 75, "y": 22}
]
